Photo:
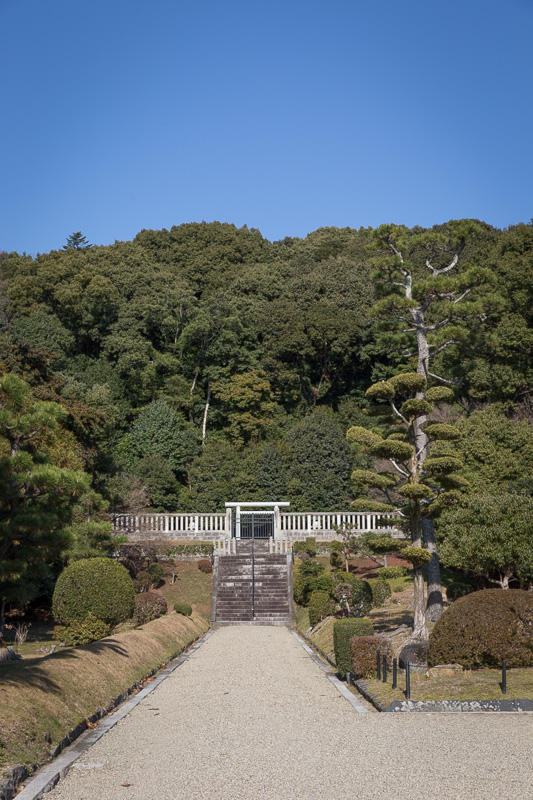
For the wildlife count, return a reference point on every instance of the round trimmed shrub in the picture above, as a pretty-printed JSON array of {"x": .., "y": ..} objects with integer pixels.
[
  {"x": 143, "y": 581},
  {"x": 183, "y": 608},
  {"x": 149, "y": 606},
  {"x": 483, "y": 628},
  {"x": 320, "y": 607},
  {"x": 98, "y": 586},
  {"x": 380, "y": 591},
  {"x": 82, "y": 631},
  {"x": 205, "y": 566},
  {"x": 360, "y": 591},
  {"x": 322, "y": 583},
  {"x": 457, "y": 589}
]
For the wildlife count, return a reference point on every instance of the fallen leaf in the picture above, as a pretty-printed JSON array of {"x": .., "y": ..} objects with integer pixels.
[{"x": 126, "y": 784}]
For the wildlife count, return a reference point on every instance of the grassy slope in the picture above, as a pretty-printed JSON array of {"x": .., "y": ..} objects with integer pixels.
[{"x": 53, "y": 694}]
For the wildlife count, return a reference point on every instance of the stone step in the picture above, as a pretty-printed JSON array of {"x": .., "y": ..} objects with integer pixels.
[{"x": 271, "y": 587}]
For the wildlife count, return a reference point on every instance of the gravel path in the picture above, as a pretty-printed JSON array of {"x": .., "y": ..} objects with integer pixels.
[{"x": 250, "y": 715}]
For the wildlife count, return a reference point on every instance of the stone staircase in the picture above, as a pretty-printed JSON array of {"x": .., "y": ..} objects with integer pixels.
[{"x": 272, "y": 587}]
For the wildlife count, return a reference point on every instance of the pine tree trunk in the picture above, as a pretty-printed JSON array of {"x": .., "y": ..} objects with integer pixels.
[
  {"x": 435, "y": 604},
  {"x": 420, "y": 631}
]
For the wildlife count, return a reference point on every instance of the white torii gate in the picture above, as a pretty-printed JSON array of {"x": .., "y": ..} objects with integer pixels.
[{"x": 267, "y": 506}]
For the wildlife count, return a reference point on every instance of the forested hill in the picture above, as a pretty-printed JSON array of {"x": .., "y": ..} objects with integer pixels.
[{"x": 205, "y": 363}]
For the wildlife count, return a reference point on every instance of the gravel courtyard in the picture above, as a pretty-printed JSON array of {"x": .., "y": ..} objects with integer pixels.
[{"x": 250, "y": 715}]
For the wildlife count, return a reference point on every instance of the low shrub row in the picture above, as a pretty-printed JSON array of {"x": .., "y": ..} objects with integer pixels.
[{"x": 343, "y": 631}]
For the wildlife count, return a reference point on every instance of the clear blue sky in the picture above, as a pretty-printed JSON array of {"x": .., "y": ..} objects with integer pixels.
[{"x": 285, "y": 115}]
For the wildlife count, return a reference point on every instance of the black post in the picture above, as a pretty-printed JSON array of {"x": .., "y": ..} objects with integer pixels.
[
  {"x": 504, "y": 677},
  {"x": 384, "y": 668},
  {"x": 379, "y": 664},
  {"x": 394, "y": 673},
  {"x": 407, "y": 682}
]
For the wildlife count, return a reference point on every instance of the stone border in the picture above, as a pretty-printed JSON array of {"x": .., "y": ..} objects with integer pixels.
[
  {"x": 339, "y": 685},
  {"x": 362, "y": 688},
  {"x": 460, "y": 706},
  {"x": 48, "y": 776},
  {"x": 443, "y": 706}
]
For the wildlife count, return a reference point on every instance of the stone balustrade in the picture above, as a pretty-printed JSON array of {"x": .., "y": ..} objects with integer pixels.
[{"x": 292, "y": 526}]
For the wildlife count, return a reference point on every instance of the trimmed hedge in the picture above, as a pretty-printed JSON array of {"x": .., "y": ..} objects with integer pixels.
[
  {"x": 149, "y": 606},
  {"x": 320, "y": 607},
  {"x": 205, "y": 566},
  {"x": 380, "y": 591},
  {"x": 98, "y": 586},
  {"x": 343, "y": 631},
  {"x": 364, "y": 651},
  {"x": 483, "y": 628},
  {"x": 183, "y": 608}
]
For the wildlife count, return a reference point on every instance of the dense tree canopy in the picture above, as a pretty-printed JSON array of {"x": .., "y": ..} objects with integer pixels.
[{"x": 241, "y": 362}]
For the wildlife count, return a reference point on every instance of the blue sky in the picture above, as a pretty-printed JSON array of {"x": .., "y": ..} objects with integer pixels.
[{"x": 286, "y": 115}]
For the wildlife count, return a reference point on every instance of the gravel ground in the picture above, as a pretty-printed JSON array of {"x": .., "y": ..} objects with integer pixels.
[{"x": 249, "y": 715}]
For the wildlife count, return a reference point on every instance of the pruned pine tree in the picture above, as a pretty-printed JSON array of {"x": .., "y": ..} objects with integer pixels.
[
  {"x": 429, "y": 301},
  {"x": 36, "y": 497},
  {"x": 416, "y": 485}
]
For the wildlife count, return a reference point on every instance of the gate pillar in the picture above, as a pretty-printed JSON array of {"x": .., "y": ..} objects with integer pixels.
[
  {"x": 277, "y": 523},
  {"x": 238, "y": 522}
]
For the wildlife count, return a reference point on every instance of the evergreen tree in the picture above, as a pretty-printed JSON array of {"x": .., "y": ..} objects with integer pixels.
[
  {"x": 419, "y": 485},
  {"x": 36, "y": 497},
  {"x": 77, "y": 241},
  {"x": 428, "y": 305},
  {"x": 318, "y": 464}
]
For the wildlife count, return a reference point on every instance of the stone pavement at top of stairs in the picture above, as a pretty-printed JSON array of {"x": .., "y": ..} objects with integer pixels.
[{"x": 250, "y": 715}]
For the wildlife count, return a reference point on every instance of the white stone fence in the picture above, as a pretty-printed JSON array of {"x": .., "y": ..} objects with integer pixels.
[{"x": 295, "y": 526}]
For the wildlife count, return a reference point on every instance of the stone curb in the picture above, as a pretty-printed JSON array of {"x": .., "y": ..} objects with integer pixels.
[
  {"x": 47, "y": 777},
  {"x": 362, "y": 689},
  {"x": 462, "y": 706},
  {"x": 339, "y": 685},
  {"x": 444, "y": 706}
]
